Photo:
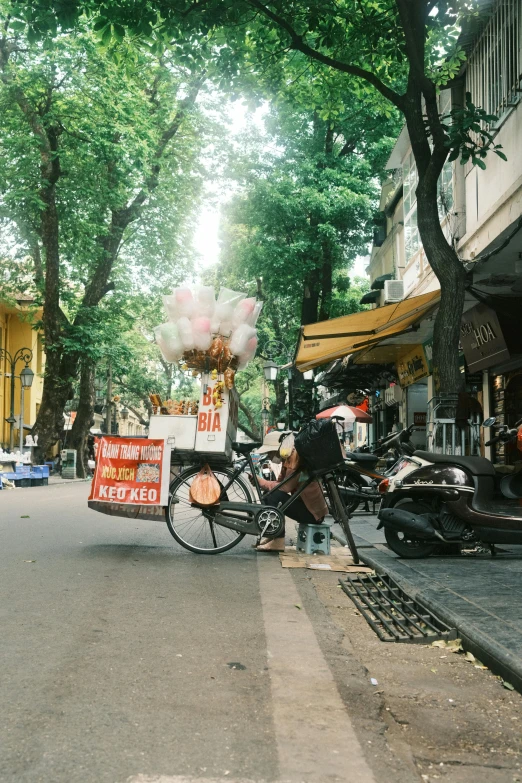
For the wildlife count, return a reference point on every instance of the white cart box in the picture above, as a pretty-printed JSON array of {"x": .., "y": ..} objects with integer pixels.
[
  {"x": 179, "y": 431},
  {"x": 217, "y": 427},
  {"x": 211, "y": 432}
]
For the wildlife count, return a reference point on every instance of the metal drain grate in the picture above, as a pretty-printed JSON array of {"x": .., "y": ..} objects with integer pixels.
[{"x": 393, "y": 615}]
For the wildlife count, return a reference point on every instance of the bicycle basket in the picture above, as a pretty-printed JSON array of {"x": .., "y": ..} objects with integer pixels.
[{"x": 318, "y": 445}]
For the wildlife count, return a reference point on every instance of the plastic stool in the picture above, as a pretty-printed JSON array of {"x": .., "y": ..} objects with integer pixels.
[{"x": 313, "y": 538}]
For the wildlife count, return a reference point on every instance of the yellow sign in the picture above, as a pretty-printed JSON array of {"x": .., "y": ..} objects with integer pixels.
[{"x": 412, "y": 366}]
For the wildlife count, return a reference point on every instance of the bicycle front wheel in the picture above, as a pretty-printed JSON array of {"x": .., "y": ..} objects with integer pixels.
[
  {"x": 194, "y": 528},
  {"x": 342, "y": 517}
]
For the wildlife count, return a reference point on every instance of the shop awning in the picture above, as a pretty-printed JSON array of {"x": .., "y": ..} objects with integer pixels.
[
  {"x": 378, "y": 283},
  {"x": 328, "y": 340},
  {"x": 370, "y": 298}
]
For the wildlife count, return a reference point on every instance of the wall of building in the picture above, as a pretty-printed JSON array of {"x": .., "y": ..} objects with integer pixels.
[{"x": 16, "y": 324}]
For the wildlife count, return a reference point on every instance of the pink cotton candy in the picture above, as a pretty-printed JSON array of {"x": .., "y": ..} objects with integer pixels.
[
  {"x": 201, "y": 332},
  {"x": 184, "y": 302}
]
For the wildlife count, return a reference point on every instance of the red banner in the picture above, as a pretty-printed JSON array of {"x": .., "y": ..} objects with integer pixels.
[{"x": 134, "y": 471}]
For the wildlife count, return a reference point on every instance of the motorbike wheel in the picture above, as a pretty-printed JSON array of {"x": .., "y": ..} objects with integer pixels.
[{"x": 404, "y": 544}]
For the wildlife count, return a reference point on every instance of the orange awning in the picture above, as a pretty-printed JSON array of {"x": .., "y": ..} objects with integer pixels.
[{"x": 328, "y": 340}]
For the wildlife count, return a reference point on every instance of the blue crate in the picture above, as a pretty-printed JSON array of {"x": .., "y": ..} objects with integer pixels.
[
  {"x": 23, "y": 470},
  {"x": 45, "y": 470},
  {"x": 36, "y": 481},
  {"x": 36, "y": 472}
]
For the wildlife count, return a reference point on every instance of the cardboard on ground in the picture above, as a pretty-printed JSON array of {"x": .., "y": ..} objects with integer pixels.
[{"x": 337, "y": 561}]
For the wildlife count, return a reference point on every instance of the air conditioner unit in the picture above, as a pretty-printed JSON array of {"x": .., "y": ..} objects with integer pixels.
[
  {"x": 393, "y": 291},
  {"x": 393, "y": 395}
]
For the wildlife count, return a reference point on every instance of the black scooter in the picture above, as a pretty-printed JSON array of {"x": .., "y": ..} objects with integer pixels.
[
  {"x": 360, "y": 479},
  {"x": 445, "y": 499}
]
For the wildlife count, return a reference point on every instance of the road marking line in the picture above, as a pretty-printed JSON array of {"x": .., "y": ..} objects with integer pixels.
[
  {"x": 316, "y": 740},
  {"x": 183, "y": 779}
]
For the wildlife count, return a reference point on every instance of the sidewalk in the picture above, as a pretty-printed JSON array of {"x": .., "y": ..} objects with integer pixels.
[
  {"x": 53, "y": 480},
  {"x": 480, "y": 596}
]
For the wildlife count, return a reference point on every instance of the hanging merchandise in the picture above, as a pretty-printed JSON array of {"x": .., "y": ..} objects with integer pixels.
[
  {"x": 212, "y": 337},
  {"x": 205, "y": 489}
]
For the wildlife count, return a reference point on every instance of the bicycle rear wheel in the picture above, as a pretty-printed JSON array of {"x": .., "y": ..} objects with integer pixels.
[
  {"x": 342, "y": 516},
  {"x": 194, "y": 528}
]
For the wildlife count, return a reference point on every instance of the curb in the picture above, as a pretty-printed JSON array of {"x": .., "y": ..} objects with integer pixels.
[
  {"x": 496, "y": 657},
  {"x": 68, "y": 481}
]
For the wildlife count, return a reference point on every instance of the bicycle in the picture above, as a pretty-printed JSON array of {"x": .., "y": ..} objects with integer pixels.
[{"x": 219, "y": 528}]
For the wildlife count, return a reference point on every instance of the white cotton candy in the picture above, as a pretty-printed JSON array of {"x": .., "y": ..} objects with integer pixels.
[
  {"x": 184, "y": 302},
  {"x": 243, "y": 311},
  {"x": 252, "y": 319},
  {"x": 240, "y": 338},
  {"x": 249, "y": 353},
  {"x": 201, "y": 331},
  {"x": 229, "y": 297},
  {"x": 169, "y": 341},
  {"x": 205, "y": 301},
  {"x": 171, "y": 308},
  {"x": 186, "y": 333}
]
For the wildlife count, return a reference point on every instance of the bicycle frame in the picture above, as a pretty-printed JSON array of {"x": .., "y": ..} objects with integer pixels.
[{"x": 231, "y": 514}]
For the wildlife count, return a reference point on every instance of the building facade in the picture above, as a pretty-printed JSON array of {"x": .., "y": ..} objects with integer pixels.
[
  {"x": 17, "y": 332},
  {"x": 481, "y": 215}
]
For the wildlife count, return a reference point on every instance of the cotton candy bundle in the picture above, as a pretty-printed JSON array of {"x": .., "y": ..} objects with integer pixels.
[
  {"x": 184, "y": 302},
  {"x": 243, "y": 311},
  {"x": 205, "y": 301},
  {"x": 252, "y": 319},
  {"x": 240, "y": 339},
  {"x": 201, "y": 332},
  {"x": 248, "y": 355},
  {"x": 171, "y": 307},
  {"x": 186, "y": 333},
  {"x": 169, "y": 341}
]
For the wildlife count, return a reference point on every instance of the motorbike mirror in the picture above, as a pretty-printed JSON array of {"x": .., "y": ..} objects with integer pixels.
[{"x": 489, "y": 422}]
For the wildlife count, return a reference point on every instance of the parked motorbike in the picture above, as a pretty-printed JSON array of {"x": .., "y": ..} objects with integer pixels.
[
  {"x": 360, "y": 479},
  {"x": 435, "y": 499}
]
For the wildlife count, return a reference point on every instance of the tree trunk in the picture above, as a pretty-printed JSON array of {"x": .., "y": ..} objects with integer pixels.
[
  {"x": 84, "y": 418},
  {"x": 443, "y": 259},
  {"x": 326, "y": 284},
  {"x": 252, "y": 431},
  {"x": 452, "y": 278},
  {"x": 310, "y": 298}
]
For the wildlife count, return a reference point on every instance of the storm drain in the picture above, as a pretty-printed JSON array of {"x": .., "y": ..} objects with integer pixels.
[{"x": 394, "y": 615}]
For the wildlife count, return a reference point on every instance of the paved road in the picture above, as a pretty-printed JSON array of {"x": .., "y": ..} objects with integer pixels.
[{"x": 126, "y": 658}]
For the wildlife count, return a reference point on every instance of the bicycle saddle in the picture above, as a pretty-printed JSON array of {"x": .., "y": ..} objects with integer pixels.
[{"x": 245, "y": 448}]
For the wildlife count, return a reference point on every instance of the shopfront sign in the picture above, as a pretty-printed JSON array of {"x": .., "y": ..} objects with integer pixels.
[
  {"x": 412, "y": 366},
  {"x": 482, "y": 339},
  {"x": 131, "y": 471}
]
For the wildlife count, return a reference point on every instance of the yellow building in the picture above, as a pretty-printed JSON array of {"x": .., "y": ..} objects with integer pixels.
[{"x": 16, "y": 333}]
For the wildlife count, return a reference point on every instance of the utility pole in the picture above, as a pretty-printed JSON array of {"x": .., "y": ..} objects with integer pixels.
[{"x": 108, "y": 412}]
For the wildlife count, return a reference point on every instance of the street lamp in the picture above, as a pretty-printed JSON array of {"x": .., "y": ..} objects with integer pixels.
[
  {"x": 265, "y": 413},
  {"x": 271, "y": 370},
  {"x": 25, "y": 355},
  {"x": 26, "y": 381},
  {"x": 124, "y": 413}
]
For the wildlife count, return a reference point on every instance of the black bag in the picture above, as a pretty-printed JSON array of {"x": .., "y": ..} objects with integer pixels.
[{"x": 318, "y": 445}]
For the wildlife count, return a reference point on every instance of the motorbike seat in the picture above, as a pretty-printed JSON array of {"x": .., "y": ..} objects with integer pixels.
[
  {"x": 477, "y": 466},
  {"x": 362, "y": 457},
  {"x": 246, "y": 448}
]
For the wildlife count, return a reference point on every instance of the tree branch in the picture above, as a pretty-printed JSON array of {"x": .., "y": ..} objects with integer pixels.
[{"x": 297, "y": 43}]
